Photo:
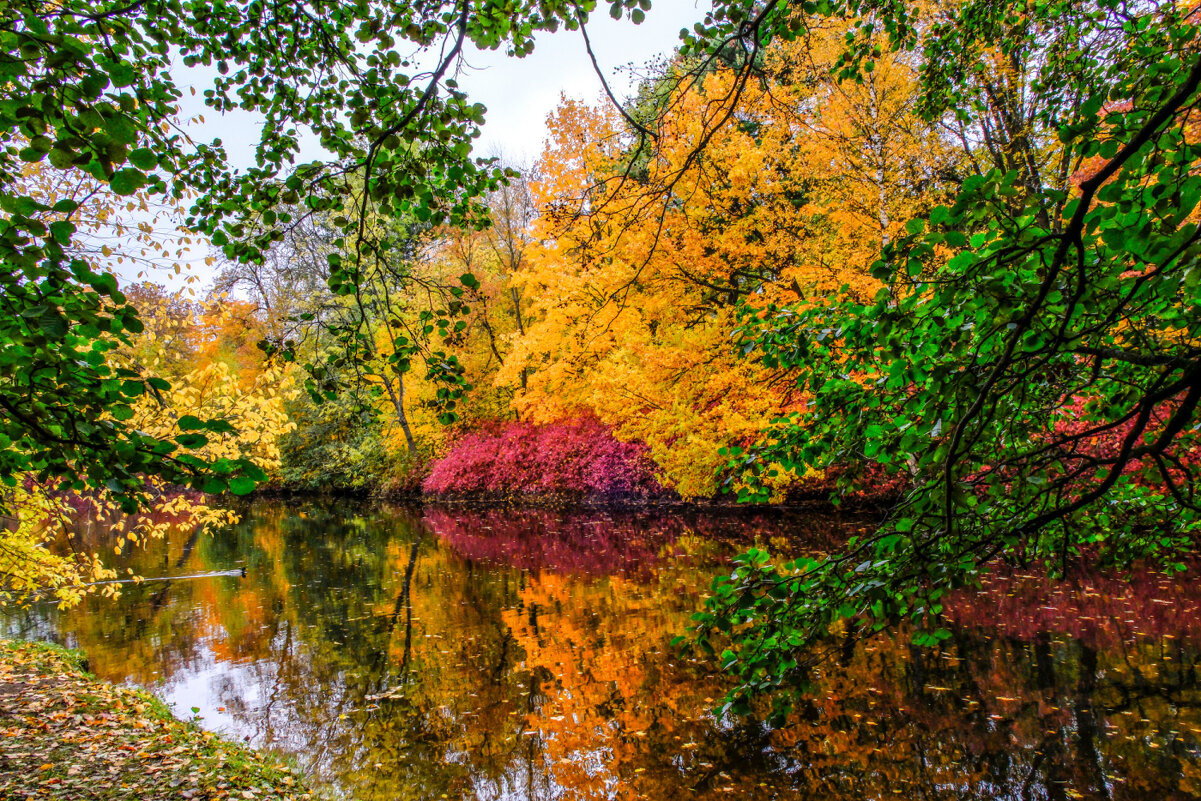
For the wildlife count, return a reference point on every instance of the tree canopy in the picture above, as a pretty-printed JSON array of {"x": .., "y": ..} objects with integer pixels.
[
  {"x": 1031, "y": 363},
  {"x": 94, "y": 89}
]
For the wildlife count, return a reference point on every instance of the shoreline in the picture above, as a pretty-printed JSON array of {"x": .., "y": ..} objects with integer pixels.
[
  {"x": 64, "y": 734},
  {"x": 804, "y": 503}
]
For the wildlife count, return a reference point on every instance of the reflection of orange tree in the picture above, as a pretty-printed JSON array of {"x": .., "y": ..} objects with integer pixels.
[
  {"x": 143, "y": 636},
  {"x": 169, "y": 620},
  {"x": 624, "y": 716},
  {"x": 984, "y": 717},
  {"x": 442, "y": 712},
  {"x": 244, "y": 615}
]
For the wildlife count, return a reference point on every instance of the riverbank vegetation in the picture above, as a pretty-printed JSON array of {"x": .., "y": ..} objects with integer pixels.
[{"x": 946, "y": 256}]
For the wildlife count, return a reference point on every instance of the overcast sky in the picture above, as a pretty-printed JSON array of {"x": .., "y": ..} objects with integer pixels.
[{"x": 520, "y": 93}]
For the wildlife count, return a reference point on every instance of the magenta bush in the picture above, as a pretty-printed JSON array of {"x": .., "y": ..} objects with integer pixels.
[{"x": 575, "y": 458}]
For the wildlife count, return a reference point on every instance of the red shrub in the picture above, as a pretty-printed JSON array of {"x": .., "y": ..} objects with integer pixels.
[
  {"x": 1083, "y": 454},
  {"x": 1079, "y": 449},
  {"x": 575, "y": 459}
]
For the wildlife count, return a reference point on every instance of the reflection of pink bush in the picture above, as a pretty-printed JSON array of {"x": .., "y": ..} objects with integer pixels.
[
  {"x": 574, "y": 458},
  {"x": 627, "y": 541},
  {"x": 1102, "y": 610},
  {"x": 535, "y": 539}
]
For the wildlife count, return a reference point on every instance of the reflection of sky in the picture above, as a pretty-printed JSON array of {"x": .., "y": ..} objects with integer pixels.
[
  {"x": 196, "y": 689},
  {"x": 243, "y": 700}
]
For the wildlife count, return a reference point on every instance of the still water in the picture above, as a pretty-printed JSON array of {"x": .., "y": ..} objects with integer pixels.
[{"x": 431, "y": 653}]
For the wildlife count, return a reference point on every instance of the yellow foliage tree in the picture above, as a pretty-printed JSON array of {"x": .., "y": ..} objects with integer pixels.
[{"x": 635, "y": 293}]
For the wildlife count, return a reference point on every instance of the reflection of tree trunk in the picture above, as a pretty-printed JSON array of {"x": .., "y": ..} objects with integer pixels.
[
  {"x": 398, "y": 403},
  {"x": 917, "y": 669},
  {"x": 529, "y": 711},
  {"x": 499, "y": 670},
  {"x": 1185, "y": 668},
  {"x": 529, "y": 776},
  {"x": 284, "y": 667},
  {"x": 187, "y": 547},
  {"x": 409, "y": 606},
  {"x": 160, "y": 598},
  {"x": 1044, "y": 662},
  {"x": 1086, "y": 723},
  {"x": 849, "y": 643},
  {"x": 405, "y": 601}
]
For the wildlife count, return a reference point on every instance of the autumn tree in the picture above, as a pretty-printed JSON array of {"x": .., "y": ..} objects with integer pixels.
[
  {"x": 643, "y": 264},
  {"x": 494, "y": 254}
]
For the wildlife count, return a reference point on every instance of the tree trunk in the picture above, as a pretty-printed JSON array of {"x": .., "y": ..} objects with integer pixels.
[
  {"x": 398, "y": 403},
  {"x": 516, "y": 296}
]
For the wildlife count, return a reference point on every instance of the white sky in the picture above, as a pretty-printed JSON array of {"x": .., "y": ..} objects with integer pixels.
[{"x": 519, "y": 93}]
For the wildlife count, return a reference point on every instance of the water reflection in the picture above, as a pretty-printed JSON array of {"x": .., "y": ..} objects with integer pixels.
[{"x": 406, "y": 653}]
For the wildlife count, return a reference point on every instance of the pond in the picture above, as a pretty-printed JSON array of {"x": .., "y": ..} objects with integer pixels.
[{"x": 433, "y": 653}]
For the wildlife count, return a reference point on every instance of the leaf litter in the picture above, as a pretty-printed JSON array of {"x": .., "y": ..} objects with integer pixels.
[{"x": 66, "y": 735}]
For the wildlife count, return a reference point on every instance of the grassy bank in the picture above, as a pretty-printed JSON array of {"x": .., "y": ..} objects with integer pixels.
[{"x": 66, "y": 735}]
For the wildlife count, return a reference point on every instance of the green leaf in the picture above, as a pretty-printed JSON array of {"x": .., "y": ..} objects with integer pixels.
[
  {"x": 127, "y": 181},
  {"x": 192, "y": 441},
  {"x": 53, "y": 324},
  {"x": 190, "y": 422},
  {"x": 242, "y": 485},
  {"x": 143, "y": 158},
  {"x": 121, "y": 129}
]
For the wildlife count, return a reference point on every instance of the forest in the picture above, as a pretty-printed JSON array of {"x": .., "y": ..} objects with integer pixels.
[{"x": 934, "y": 260}]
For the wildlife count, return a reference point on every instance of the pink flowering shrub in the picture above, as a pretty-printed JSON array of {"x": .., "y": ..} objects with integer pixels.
[{"x": 574, "y": 459}]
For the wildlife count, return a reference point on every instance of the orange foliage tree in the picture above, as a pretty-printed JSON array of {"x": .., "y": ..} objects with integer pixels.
[{"x": 641, "y": 263}]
